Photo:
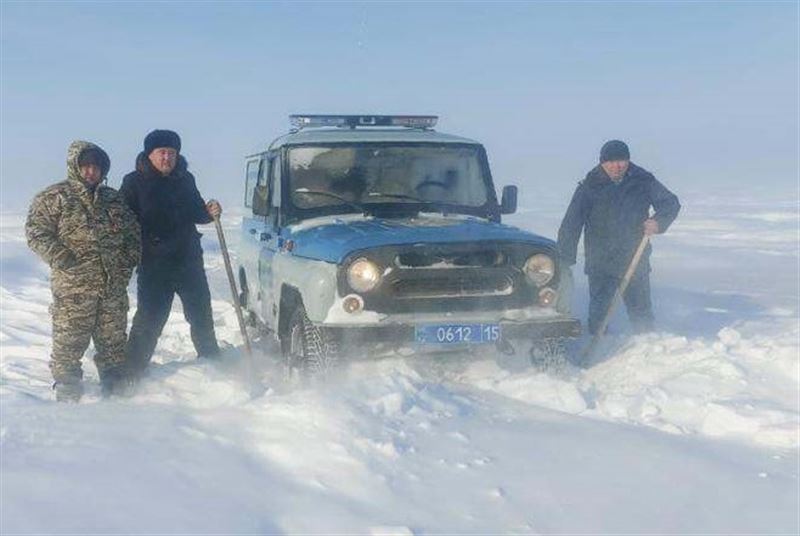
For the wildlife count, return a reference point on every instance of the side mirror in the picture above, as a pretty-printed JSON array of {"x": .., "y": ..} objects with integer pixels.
[
  {"x": 260, "y": 207},
  {"x": 508, "y": 204}
]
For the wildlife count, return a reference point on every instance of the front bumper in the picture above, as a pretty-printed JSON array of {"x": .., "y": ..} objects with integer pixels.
[{"x": 404, "y": 333}]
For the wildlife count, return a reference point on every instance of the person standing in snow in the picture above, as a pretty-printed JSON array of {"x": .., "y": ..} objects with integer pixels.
[
  {"x": 613, "y": 205},
  {"x": 91, "y": 240},
  {"x": 163, "y": 194}
]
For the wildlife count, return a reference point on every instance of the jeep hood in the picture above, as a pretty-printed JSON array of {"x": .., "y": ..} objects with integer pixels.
[{"x": 332, "y": 239}]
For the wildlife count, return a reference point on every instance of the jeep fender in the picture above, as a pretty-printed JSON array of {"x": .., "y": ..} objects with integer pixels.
[{"x": 312, "y": 281}]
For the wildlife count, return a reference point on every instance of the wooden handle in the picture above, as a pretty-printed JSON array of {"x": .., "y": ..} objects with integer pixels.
[{"x": 234, "y": 292}]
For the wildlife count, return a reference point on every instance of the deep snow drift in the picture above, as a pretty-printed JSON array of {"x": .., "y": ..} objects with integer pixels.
[{"x": 693, "y": 429}]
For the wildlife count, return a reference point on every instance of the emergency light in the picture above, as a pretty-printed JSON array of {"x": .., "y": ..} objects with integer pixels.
[{"x": 353, "y": 121}]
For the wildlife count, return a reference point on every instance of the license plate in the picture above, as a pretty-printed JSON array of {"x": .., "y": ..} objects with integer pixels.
[{"x": 457, "y": 333}]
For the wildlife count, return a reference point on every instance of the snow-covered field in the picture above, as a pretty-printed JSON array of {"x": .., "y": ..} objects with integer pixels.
[{"x": 693, "y": 429}]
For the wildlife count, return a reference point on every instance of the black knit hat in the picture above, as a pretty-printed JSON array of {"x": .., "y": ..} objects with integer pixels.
[
  {"x": 614, "y": 150},
  {"x": 161, "y": 138}
]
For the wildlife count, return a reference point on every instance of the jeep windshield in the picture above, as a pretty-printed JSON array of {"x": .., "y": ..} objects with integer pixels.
[{"x": 388, "y": 177}]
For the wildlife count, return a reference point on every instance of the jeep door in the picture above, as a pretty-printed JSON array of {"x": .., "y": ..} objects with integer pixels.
[
  {"x": 253, "y": 225},
  {"x": 269, "y": 240}
]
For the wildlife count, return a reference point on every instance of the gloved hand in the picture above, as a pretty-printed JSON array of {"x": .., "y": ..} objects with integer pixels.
[{"x": 213, "y": 208}]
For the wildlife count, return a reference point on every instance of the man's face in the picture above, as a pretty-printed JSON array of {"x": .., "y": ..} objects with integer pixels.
[
  {"x": 164, "y": 159},
  {"x": 91, "y": 173},
  {"x": 615, "y": 169}
]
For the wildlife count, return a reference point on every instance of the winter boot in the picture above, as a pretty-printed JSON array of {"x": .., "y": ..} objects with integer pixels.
[
  {"x": 68, "y": 391},
  {"x": 212, "y": 354},
  {"x": 116, "y": 382}
]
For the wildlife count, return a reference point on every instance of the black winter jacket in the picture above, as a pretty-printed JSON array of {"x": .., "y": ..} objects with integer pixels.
[
  {"x": 613, "y": 215},
  {"x": 168, "y": 207}
]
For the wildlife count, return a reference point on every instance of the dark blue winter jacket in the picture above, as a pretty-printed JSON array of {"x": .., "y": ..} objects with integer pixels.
[
  {"x": 612, "y": 215},
  {"x": 168, "y": 209}
]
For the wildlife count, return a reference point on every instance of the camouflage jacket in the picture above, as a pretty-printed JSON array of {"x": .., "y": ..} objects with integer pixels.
[{"x": 92, "y": 241}]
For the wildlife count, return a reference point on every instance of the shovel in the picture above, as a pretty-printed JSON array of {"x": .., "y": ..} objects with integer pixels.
[
  {"x": 249, "y": 367},
  {"x": 623, "y": 285}
]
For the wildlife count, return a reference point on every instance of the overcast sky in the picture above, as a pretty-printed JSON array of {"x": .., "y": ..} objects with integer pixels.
[{"x": 705, "y": 93}]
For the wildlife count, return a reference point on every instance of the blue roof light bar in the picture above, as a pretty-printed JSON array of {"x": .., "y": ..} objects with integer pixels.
[{"x": 300, "y": 121}]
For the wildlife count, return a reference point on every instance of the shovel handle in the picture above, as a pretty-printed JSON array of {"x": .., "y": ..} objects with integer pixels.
[{"x": 234, "y": 292}]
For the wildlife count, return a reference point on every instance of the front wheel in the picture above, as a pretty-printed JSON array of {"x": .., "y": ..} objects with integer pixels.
[
  {"x": 548, "y": 355},
  {"x": 308, "y": 349}
]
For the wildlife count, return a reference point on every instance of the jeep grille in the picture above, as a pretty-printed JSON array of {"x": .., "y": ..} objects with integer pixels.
[
  {"x": 441, "y": 286},
  {"x": 470, "y": 259},
  {"x": 477, "y": 276}
]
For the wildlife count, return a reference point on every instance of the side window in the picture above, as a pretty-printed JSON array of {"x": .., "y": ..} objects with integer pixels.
[
  {"x": 263, "y": 176},
  {"x": 275, "y": 182},
  {"x": 261, "y": 191},
  {"x": 251, "y": 179}
]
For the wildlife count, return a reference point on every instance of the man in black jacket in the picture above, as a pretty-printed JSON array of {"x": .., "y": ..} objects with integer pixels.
[
  {"x": 613, "y": 205},
  {"x": 164, "y": 196}
]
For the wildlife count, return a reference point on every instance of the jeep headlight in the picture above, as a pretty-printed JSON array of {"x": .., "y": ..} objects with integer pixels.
[
  {"x": 363, "y": 275},
  {"x": 540, "y": 269}
]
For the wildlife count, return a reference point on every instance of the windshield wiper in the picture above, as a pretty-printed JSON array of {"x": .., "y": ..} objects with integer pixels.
[
  {"x": 399, "y": 196},
  {"x": 357, "y": 206},
  {"x": 438, "y": 204}
]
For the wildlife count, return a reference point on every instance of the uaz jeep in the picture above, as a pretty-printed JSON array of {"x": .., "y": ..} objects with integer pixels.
[{"x": 378, "y": 233}]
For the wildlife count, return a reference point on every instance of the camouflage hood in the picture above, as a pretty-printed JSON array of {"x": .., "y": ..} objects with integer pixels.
[{"x": 76, "y": 148}]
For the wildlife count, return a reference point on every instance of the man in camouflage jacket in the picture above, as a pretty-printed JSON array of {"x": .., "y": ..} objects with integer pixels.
[{"x": 92, "y": 242}]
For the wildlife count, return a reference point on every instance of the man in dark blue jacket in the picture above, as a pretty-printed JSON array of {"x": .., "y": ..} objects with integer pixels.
[
  {"x": 164, "y": 196},
  {"x": 613, "y": 206}
]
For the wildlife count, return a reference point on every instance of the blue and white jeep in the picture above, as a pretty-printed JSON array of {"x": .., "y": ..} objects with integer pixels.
[{"x": 377, "y": 233}]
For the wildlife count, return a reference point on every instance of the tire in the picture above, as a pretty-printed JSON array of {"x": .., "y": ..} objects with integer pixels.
[
  {"x": 307, "y": 349},
  {"x": 549, "y": 355}
]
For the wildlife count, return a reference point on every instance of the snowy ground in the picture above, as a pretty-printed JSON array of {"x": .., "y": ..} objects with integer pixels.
[{"x": 694, "y": 429}]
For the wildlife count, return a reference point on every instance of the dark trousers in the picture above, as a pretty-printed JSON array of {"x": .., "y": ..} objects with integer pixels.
[
  {"x": 637, "y": 300},
  {"x": 156, "y": 288}
]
